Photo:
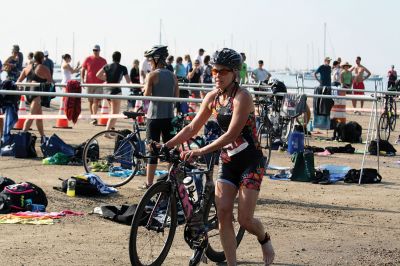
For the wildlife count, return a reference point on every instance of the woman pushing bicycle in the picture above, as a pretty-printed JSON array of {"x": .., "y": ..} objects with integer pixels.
[{"x": 241, "y": 162}]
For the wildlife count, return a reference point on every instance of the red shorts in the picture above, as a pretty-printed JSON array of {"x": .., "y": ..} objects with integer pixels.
[{"x": 358, "y": 86}]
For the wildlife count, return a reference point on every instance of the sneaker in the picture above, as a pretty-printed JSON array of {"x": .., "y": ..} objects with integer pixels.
[{"x": 93, "y": 122}]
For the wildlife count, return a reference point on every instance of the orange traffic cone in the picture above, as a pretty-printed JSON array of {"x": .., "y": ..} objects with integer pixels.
[
  {"x": 21, "y": 111},
  {"x": 62, "y": 122},
  {"x": 103, "y": 111}
]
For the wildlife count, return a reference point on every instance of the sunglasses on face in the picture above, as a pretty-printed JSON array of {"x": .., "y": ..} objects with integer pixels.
[{"x": 222, "y": 72}]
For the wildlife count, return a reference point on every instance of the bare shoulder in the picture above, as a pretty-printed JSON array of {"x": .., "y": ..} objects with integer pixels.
[
  {"x": 244, "y": 94},
  {"x": 209, "y": 98}
]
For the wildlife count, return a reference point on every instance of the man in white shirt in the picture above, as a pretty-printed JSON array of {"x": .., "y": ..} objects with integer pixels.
[
  {"x": 200, "y": 57},
  {"x": 260, "y": 74}
]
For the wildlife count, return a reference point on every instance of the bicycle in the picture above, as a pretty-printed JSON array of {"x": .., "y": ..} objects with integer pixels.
[
  {"x": 120, "y": 156},
  {"x": 387, "y": 120},
  {"x": 277, "y": 124},
  {"x": 167, "y": 204}
]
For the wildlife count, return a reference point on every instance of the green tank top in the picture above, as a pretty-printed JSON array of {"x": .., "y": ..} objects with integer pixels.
[{"x": 347, "y": 77}]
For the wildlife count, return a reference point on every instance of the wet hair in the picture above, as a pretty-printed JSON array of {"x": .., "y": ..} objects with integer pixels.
[
  {"x": 179, "y": 59},
  {"x": 260, "y": 61},
  {"x": 66, "y": 56},
  {"x": 335, "y": 63},
  {"x": 207, "y": 59},
  {"x": 38, "y": 57},
  {"x": 116, "y": 57},
  {"x": 358, "y": 58}
]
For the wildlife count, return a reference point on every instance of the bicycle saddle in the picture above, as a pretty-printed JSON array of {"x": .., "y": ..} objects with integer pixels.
[{"x": 132, "y": 114}]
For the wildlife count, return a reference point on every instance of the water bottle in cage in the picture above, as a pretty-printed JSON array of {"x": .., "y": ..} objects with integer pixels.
[{"x": 191, "y": 189}]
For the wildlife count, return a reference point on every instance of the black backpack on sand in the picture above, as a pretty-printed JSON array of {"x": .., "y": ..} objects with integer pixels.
[
  {"x": 370, "y": 176},
  {"x": 18, "y": 197}
]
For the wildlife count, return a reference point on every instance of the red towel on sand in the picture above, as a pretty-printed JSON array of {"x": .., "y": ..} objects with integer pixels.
[{"x": 73, "y": 104}]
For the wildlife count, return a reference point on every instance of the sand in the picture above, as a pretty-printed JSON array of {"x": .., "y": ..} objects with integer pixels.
[{"x": 310, "y": 224}]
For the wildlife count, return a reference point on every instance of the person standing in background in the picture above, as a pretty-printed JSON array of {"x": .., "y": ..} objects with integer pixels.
[
  {"x": 189, "y": 66},
  {"x": 20, "y": 57},
  {"x": 35, "y": 73},
  {"x": 324, "y": 72},
  {"x": 67, "y": 70},
  {"x": 91, "y": 65},
  {"x": 194, "y": 76},
  {"x": 206, "y": 78},
  {"x": 170, "y": 61},
  {"x": 180, "y": 70},
  {"x": 113, "y": 74},
  {"x": 358, "y": 81},
  {"x": 145, "y": 69},
  {"x": 134, "y": 75},
  {"x": 30, "y": 59},
  {"x": 260, "y": 74},
  {"x": 392, "y": 77},
  {"x": 12, "y": 64},
  {"x": 243, "y": 70},
  {"x": 48, "y": 62},
  {"x": 200, "y": 57},
  {"x": 335, "y": 75}
]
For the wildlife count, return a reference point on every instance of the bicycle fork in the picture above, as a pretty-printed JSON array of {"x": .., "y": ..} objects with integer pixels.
[{"x": 200, "y": 242}]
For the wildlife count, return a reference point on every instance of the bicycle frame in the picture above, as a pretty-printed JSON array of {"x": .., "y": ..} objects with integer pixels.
[{"x": 175, "y": 175}]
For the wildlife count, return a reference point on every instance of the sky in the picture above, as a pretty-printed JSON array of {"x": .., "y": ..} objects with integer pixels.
[{"x": 283, "y": 33}]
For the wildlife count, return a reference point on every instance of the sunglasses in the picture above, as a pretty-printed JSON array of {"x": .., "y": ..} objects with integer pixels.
[{"x": 222, "y": 72}]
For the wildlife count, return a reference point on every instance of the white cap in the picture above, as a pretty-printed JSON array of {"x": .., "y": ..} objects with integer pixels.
[{"x": 46, "y": 53}]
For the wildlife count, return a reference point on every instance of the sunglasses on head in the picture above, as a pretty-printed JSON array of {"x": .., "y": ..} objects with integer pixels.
[{"x": 222, "y": 72}]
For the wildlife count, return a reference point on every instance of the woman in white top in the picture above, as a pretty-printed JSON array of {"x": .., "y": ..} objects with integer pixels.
[{"x": 67, "y": 70}]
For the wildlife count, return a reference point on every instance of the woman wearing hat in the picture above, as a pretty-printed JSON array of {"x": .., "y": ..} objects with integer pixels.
[
  {"x": 339, "y": 109},
  {"x": 346, "y": 78}
]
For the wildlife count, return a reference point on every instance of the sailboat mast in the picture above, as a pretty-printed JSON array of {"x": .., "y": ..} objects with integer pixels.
[
  {"x": 73, "y": 48},
  {"x": 160, "y": 30},
  {"x": 325, "y": 40}
]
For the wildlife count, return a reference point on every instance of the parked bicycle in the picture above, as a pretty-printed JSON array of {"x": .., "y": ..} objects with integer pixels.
[
  {"x": 122, "y": 156},
  {"x": 276, "y": 124},
  {"x": 168, "y": 204},
  {"x": 387, "y": 121}
]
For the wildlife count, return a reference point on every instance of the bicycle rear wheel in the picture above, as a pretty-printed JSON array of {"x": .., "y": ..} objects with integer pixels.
[
  {"x": 384, "y": 127},
  {"x": 214, "y": 250},
  {"x": 153, "y": 226},
  {"x": 110, "y": 155}
]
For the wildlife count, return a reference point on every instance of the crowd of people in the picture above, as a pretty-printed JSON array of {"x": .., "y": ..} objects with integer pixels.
[{"x": 231, "y": 105}]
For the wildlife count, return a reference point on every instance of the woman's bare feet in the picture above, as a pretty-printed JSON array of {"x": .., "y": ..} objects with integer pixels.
[
  {"x": 268, "y": 253},
  {"x": 267, "y": 249}
]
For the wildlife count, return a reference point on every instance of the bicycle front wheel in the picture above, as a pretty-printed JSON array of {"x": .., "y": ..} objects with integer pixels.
[
  {"x": 214, "y": 250},
  {"x": 153, "y": 226},
  {"x": 384, "y": 127},
  {"x": 110, "y": 155}
]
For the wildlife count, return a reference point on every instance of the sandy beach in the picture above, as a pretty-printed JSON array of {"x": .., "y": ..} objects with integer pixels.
[{"x": 310, "y": 224}]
